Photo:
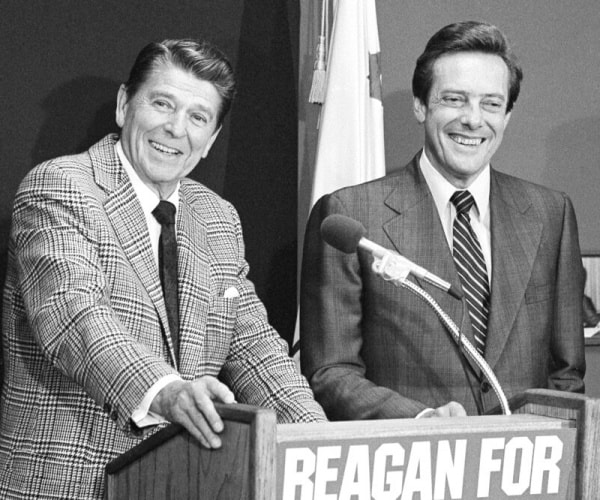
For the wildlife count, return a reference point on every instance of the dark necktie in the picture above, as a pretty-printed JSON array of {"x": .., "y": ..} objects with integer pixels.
[
  {"x": 470, "y": 265},
  {"x": 164, "y": 213}
]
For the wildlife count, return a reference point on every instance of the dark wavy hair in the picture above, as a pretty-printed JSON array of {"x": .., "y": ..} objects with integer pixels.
[
  {"x": 466, "y": 36},
  {"x": 199, "y": 57}
]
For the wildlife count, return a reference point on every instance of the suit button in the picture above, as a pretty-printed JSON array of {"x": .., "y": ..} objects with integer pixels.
[
  {"x": 107, "y": 408},
  {"x": 485, "y": 386},
  {"x": 114, "y": 415}
]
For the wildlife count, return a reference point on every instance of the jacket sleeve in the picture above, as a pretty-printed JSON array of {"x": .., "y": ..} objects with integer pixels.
[
  {"x": 567, "y": 345},
  {"x": 68, "y": 300},
  {"x": 258, "y": 367},
  {"x": 331, "y": 330}
]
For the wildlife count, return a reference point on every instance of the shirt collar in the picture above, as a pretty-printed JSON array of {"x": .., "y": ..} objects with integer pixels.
[
  {"x": 148, "y": 198},
  {"x": 442, "y": 190}
]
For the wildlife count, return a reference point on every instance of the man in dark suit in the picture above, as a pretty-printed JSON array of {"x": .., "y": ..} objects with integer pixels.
[
  {"x": 105, "y": 335},
  {"x": 371, "y": 350}
]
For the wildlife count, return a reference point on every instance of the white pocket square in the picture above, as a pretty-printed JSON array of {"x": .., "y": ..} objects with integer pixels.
[{"x": 231, "y": 292}]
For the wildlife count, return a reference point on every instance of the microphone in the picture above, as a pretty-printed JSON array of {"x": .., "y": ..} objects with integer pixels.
[{"x": 347, "y": 235}]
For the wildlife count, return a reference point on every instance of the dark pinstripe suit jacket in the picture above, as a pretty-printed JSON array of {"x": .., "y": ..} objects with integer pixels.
[
  {"x": 371, "y": 350},
  {"x": 85, "y": 331}
]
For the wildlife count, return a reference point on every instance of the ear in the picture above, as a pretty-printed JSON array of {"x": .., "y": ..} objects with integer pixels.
[
  {"x": 419, "y": 109},
  {"x": 210, "y": 142},
  {"x": 122, "y": 101}
]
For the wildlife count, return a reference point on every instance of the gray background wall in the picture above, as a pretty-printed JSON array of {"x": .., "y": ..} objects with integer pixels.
[{"x": 554, "y": 134}]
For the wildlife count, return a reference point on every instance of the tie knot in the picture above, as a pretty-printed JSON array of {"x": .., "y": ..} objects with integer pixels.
[
  {"x": 164, "y": 213},
  {"x": 463, "y": 201}
]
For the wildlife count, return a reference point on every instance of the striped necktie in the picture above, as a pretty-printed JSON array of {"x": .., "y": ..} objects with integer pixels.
[
  {"x": 470, "y": 265},
  {"x": 164, "y": 213}
]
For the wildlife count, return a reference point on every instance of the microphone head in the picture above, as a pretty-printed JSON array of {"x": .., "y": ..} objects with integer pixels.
[{"x": 342, "y": 232}]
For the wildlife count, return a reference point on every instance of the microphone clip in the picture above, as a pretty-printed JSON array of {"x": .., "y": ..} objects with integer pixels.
[{"x": 391, "y": 269}]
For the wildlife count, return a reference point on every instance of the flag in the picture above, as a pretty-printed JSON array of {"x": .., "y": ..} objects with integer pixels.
[{"x": 350, "y": 147}]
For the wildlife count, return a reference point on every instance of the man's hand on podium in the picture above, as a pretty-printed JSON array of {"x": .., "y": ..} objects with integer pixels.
[
  {"x": 190, "y": 403},
  {"x": 451, "y": 409}
]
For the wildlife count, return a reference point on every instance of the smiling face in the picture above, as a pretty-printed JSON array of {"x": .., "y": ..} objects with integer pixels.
[
  {"x": 466, "y": 114},
  {"x": 168, "y": 126}
]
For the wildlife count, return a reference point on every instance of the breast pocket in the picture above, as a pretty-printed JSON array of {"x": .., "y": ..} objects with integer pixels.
[{"x": 538, "y": 293}]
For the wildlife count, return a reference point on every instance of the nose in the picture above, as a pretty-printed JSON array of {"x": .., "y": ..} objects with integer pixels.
[
  {"x": 175, "y": 124},
  {"x": 471, "y": 116}
]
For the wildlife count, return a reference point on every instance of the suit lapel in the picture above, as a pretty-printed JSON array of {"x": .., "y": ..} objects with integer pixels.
[
  {"x": 416, "y": 232},
  {"x": 127, "y": 219},
  {"x": 193, "y": 271},
  {"x": 515, "y": 241}
]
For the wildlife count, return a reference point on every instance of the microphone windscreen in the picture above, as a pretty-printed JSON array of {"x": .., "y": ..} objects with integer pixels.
[{"x": 342, "y": 232}]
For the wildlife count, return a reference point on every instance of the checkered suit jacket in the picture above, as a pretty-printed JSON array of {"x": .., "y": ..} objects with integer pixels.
[
  {"x": 85, "y": 330},
  {"x": 372, "y": 350}
]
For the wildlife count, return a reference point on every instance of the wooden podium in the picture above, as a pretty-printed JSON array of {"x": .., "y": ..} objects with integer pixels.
[{"x": 548, "y": 448}]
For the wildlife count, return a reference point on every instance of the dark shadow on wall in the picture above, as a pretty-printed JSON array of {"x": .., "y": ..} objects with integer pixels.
[
  {"x": 261, "y": 177},
  {"x": 76, "y": 115}
]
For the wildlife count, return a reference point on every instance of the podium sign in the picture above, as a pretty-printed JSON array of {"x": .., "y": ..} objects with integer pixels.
[
  {"x": 466, "y": 465},
  {"x": 548, "y": 448}
]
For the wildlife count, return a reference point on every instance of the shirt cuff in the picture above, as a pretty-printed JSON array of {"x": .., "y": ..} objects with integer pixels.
[
  {"x": 142, "y": 416},
  {"x": 426, "y": 413}
]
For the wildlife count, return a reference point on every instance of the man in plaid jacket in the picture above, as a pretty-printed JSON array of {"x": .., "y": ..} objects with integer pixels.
[{"x": 90, "y": 361}]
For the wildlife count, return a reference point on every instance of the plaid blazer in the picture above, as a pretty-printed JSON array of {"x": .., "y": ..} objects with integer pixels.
[
  {"x": 372, "y": 350},
  {"x": 85, "y": 330}
]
